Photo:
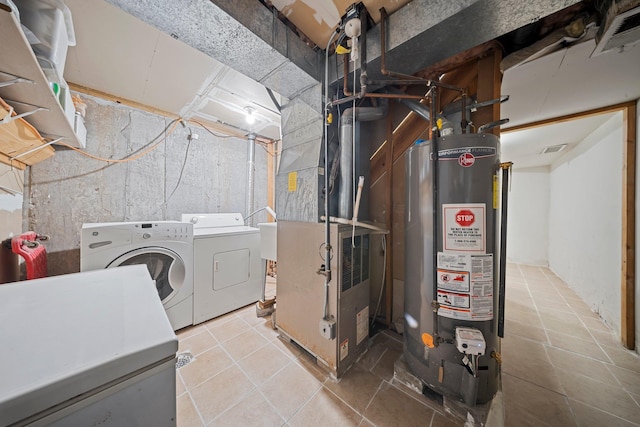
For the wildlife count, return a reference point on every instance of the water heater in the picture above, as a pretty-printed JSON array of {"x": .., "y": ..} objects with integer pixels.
[{"x": 451, "y": 265}]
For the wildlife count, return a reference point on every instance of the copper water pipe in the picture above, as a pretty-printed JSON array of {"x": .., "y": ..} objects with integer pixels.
[{"x": 351, "y": 97}]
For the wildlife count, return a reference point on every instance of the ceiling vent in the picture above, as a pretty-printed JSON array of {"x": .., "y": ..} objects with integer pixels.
[
  {"x": 620, "y": 26},
  {"x": 554, "y": 149}
]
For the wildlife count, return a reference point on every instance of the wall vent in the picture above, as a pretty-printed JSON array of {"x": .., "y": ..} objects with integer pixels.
[
  {"x": 554, "y": 148},
  {"x": 618, "y": 29}
]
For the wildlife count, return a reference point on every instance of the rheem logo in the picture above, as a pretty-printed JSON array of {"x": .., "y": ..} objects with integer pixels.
[{"x": 466, "y": 160}]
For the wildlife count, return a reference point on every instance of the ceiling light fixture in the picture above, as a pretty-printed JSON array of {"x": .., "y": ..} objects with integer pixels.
[{"x": 250, "y": 118}]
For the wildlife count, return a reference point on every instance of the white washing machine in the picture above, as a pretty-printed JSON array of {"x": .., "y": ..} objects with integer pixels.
[
  {"x": 229, "y": 272},
  {"x": 165, "y": 247}
]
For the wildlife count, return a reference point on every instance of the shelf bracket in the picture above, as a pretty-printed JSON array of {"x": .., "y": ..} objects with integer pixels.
[
  {"x": 40, "y": 147},
  {"x": 16, "y": 79},
  {"x": 9, "y": 118}
]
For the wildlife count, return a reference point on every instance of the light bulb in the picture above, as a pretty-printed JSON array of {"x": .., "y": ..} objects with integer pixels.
[{"x": 249, "y": 117}]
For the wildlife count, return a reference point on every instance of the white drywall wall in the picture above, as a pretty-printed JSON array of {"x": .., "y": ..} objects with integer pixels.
[
  {"x": 528, "y": 217},
  {"x": 585, "y": 219}
]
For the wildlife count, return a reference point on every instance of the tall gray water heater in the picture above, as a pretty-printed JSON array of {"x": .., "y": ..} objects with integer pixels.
[{"x": 451, "y": 292}]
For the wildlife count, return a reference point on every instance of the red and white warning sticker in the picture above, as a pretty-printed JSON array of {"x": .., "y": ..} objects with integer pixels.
[
  {"x": 464, "y": 227},
  {"x": 465, "y": 286},
  {"x": 453, "y": 280}
]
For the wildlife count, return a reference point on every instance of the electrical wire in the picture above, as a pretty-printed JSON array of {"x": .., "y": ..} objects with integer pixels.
[
  {"x": 210, "y": 131},
  {"x": 184, "y": 162},
  {"x": 171, "y": 126},
  {"x": 384, "y": 273}
]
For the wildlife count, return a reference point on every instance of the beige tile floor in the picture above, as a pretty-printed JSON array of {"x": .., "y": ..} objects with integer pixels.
[{"x": 562, "y": 367}]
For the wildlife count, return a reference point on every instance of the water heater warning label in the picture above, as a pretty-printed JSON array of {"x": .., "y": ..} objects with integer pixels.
[
  {"x": 464, "y": 227},
  {"x": 465, "y": 286}
]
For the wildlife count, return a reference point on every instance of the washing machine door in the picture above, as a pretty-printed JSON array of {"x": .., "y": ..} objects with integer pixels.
[{"x": 165, "y": 266}]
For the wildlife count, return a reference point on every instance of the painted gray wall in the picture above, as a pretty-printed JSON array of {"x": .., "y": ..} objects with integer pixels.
[{"x": 69, "y": 189}]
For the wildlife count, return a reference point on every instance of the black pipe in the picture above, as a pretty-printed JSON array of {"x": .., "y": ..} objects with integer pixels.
[
  {"x": 463, "y": 113},
  {"x": 506, "y": 170},
  {"x": 436, "y": 209}
]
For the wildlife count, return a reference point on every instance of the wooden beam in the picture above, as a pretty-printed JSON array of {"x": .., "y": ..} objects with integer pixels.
[
  {"x": 119, "y": 100},
  {"x": 629, "y": 226},
  {"x": 211, "y": 125},
  {"x": 470, "y": 56},
  {"x": 489, "y": 83}
]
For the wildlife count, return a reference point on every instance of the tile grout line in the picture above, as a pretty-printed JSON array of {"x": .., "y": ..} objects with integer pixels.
[
  {"x": 364, "y": 411},
  {"x": 583, "y": 323},
  {"x": 193, "y": 402},
  {"x": 546, "y": 347},
  {"x": 223, "y": 370}
]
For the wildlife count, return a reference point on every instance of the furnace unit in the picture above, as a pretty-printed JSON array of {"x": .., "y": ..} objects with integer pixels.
[{"x": 338, "y": 342}]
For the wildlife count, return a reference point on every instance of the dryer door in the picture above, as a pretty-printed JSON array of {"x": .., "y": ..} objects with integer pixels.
[{"x": 165, "y": 266}]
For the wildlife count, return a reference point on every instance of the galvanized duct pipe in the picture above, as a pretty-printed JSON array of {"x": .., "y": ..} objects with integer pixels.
[
  {"x": 422, "y": 111},
  {"x": 251, "y": 166},
  {"x": 345, "y": 193}
]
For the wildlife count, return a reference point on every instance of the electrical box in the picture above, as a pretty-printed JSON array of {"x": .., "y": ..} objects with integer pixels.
[{"x": 339, "y": 340}]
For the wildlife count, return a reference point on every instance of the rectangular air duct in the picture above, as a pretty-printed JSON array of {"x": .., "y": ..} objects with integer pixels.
[{"x": 620, "y": 27}]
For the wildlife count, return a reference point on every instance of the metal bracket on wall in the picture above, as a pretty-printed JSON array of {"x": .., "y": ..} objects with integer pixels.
[{"x": 16, "y": 79}]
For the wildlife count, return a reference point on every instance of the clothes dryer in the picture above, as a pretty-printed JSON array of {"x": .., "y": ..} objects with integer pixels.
[
  {"x": 229, "y": 272},
  {"x": 165, "y": 247}
]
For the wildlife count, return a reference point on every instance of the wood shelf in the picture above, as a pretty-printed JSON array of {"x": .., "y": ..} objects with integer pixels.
[{"x": 17, "y": 58}]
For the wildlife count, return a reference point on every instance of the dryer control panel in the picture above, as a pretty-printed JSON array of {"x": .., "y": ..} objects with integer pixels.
[{"x": 153, "y": 231}]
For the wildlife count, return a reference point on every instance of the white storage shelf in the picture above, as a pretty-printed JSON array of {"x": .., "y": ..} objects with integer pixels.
[{"x": 17, "y": 58}]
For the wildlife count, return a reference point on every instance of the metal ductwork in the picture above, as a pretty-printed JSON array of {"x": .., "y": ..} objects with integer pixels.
[{"x": 348, "y": 153}]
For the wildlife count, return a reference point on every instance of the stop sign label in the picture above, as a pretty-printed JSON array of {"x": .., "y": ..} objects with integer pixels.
[{"x": 465, "y": 218}]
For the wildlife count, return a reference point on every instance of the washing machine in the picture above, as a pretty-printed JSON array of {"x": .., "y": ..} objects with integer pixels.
[
  {"x": 229, "y": 272},
  {"x": 165, "y": 247}
]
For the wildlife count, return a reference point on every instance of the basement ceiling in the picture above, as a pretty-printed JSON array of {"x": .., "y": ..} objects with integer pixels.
[
  {"x": 565, "y": 82},
  {"x": 317, "y": 19},
  {"x": 120, "y": 55},
  {"x": 123, "y": 57}
]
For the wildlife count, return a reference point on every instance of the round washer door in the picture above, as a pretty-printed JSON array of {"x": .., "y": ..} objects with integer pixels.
[{"x": 165, "y": 266}]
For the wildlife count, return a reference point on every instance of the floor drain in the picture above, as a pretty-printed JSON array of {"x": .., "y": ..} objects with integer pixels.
[{"x": 184, "y": 359}]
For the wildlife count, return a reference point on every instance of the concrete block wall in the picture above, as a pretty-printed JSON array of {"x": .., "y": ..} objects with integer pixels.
[{"x": 69, "y": 189}]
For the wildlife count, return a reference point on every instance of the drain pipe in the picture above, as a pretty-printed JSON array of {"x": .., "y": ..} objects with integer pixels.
[
  {"x": 251, "y": 166},
  {"x": 347, "y": 120}
]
